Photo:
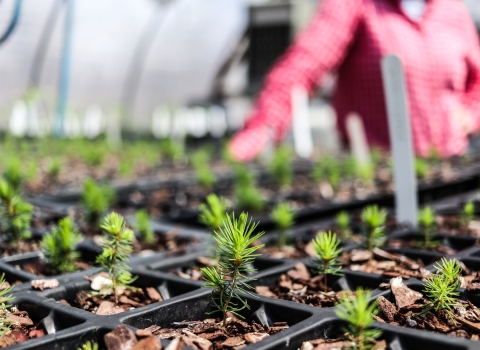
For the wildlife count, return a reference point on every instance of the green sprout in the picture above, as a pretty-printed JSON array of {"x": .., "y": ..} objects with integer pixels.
[
  {"x": 96, "y": 199},
  {"x": 343, "y": 224},
  {"x": 212, "y": 213},
  {"x": 173, "y": 150},
  {"x": 326, "y": 247},
  {"x": 427, "y": 223},
  {"x": 328, "y": 169},
  {"x": 236, "y": 258},
  {"x": 93, "y": 155},
  {"x": 54, "y": 168},
  {"x": 13, "y": 173},
  {"x": 422, "y": 168},
  {"x": 5, "y": 297},
  {"x": 280, "y": 167},
  {"x": 358, "y": 312},
  {"x": 59, "y": 246},
  {"x": 15, "y": 214},
  {"x": 89, "y": 346},
  {"x": 117, "y": 247},
  {"x": 284, "y": 218},
  {"x": 243, "y": 176},
  {"x": 450, "y": 271},
  {"x": 373, "y": 220},
  {"x": 143, "y": 226},
  {"x": 249, "y": 198},
  {"x": 467, "y": 214},
  {"x": 201, "y": 165}
]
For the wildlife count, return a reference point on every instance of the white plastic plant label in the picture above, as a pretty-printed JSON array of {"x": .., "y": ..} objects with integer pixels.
[
  {"x": 161, "y": 122},
  {"x": 197, "y": 122},
  {"x": 93, "y": 122},
  {"x": 18, "y": 122},
  {"x": 406, "y": 202},
  {"x": 301, "y": 129},
  {"x": 217, "y": 121},
  {"x": 358, "y": 139}
]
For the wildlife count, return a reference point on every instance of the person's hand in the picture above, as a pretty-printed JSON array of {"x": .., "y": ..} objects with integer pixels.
[{"x": 247, "y": 144}]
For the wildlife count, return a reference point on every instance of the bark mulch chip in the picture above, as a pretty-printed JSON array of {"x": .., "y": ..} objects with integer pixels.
[
  {"x": 338, "y": 344},
  {"x": 22, "y": 328}
]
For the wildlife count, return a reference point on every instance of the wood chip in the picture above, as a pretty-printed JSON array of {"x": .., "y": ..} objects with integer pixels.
[
  {"x": 108, "y": 308},
  {"x": 193, "y": 340},
  {"x": 233, "y": 342},
  {"x": 125, "y": 300},
  {"x": 150, "y": 343},
  {"x": 299, "y": 272},
  {"x": 255, "y": 337},
  {"x": 265, "y": 291},
  {"x": 44, "y": 284},
  {"x": 121, "y": 338},
  {"x": 19, "y": 321},
  {"x": 360, "y": 255},
  {"x": 153, "y": 294},
  {"x": 388, "y": 309},
  {"x": 404, "y": 296},
  {"x": 143, "y": 333}
]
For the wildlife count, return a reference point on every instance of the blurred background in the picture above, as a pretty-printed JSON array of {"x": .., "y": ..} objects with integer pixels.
[{"x": 143, "y": 64}]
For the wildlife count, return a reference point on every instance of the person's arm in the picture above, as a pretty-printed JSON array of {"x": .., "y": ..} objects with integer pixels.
[
  {"x": 318, "y": 49},
  {"x": 471, "y": 98}
]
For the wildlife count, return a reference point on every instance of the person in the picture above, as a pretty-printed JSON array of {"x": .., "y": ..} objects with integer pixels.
[{"x": 439, "y": 48}]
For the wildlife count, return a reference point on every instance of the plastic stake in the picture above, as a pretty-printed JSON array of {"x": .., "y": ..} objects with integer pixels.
[{"x": 400, "y": 140}]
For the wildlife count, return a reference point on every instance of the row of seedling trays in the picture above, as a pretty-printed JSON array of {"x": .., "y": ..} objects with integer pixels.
[{"x": 372, "y": 284}]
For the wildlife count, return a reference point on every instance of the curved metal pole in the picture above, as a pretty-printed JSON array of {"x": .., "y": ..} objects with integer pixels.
[
  {"x": 43, "y": 44},
  {"x": 13, "y": 21},
  {"x": 135, "y": 70},
  {"x": 65, "y": 69}
]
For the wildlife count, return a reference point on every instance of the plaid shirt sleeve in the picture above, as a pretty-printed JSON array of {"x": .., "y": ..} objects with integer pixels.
[{"x": 318, "y": 49}]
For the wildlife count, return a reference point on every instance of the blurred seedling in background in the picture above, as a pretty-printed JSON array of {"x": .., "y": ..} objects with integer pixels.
[
  {"x": 284, "y": 218},
  {"x": 231, "y": 279},
  {"x": 13, "y": 174},
  {"x": 213, "y": 214},
  {"x": 359, "y": 313},
  {"x": 89, "y": 346},
  {"x": 117, "y": 247},
  {"x": 15, "y": 214},
  {"x": 427, "y": 222},
  {"x": 280, "y": 167},
  {"x": 327, "y": 169},
  {"x": 249, "y": 198},
  {"x": 201, "y": 165},
  {"x": 94, "y": 154},
  {"x": 467, "y": 215},
  {"x": 96, "y": 200},
  {"x": 143, "y": 226},
  {"x": 5, "y": 298},
  {"x": 59, "y": 246},
  {"x": 53, "y": 168},
  {"x": 342, "y": 220},
  {"x": 243, "y": 176},
  {"x": 325, "y": 245},
  {"x": 173, "y": 150},
  {"x": 373, "y": 226},
  {"x": 422, "y": 168}
]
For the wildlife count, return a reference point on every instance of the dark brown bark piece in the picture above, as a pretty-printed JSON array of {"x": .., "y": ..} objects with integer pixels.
[
  {"x": 18, "y": 321},
  {"x": 153, "y": 294},
  {"x": 143, "y": 333},
  {"x": 388, "y": 309},
  {"x": 233, "y": 342},
  {"x": 404, "y": 296},
  {"x": 121, "y": 338},
  {"x": 299, "y": 272}
]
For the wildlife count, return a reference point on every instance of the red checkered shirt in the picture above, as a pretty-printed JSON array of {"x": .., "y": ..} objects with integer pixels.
[{"x": 441, "y": 57}]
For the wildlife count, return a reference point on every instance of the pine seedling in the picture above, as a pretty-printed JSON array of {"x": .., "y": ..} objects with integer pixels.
[
  {"x": 243, "y": 176},
  {"x": 421, "y": 168},
  {"x": 467, "y": 214},
  {"x": 5, "y": 297},
  {"x": 96, "y": 199},
  {"x": 59, "y": 246},
  {"x": 328, "y": 169},
  {"x": 373, "y": 221},
  {"x": 325, "y": 246},
  {"x": 284, "y": 218},
  {"x": 204, "y": 174},
  {"x": 15, "y": 214},
  {"x": 13, "y": 174},
  {"x": 427, "y": 223},
  {"x": 450, "y": 271},
  {"x": 54, "y": 168},
  {"x": 143, "y": 227},
  {"x": 172, "y": 149},
  {"x": 343, "y": 224},
  {"x": 212, "y": 215},
  {"x": 280, "y": 167},
  {"x": 249, "y": 198},
  {"x": 236, "y": 257},
  {"x": 117, "y": 247},
  {"x": 441, "y": 294},
  {"x": 89, "y": 346},
  {"x": 358, "y": 313}
]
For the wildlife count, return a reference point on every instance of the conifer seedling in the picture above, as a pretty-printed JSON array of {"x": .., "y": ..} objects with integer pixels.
[
  {"x": 421, "y": 168},
  {"x": 284, "y": 218},
  {"x": 373, "y": 222},
  {"x": 59, "y": 246},
  {"x": 143, "y": 227},
  {"x": 243, "y": 176},
  {"x": 343, "y": 224},
  {"x": 13, "y": 174},
  {"x": 249, "y": 198},
  {"x": 427, "y": 223},
  {"x": 54, "y": 168},
  {"x": 117, "y": 247},
  {"x": 203, "y": 172},
  {"x": 358, "y": 313},
  {"x": 234, "y": 242},
  {"x": 280, "y": 166},
  {"x": 173, "y": 150},
  {"x": 89, "y": 346},
  {"x": 15, "y": 214},
  {"x": 468, "y": 214},
  {"x": 326, "y": 247},
  {"x": 212, "y": 215},
  {"x": 5, "y": 297},
  {"x": 96, "y": 199},
  {"x": 328, "y": 169}
]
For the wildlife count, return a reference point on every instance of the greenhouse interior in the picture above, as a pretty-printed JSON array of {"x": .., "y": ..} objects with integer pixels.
[{"x": 240, "y": 174}]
